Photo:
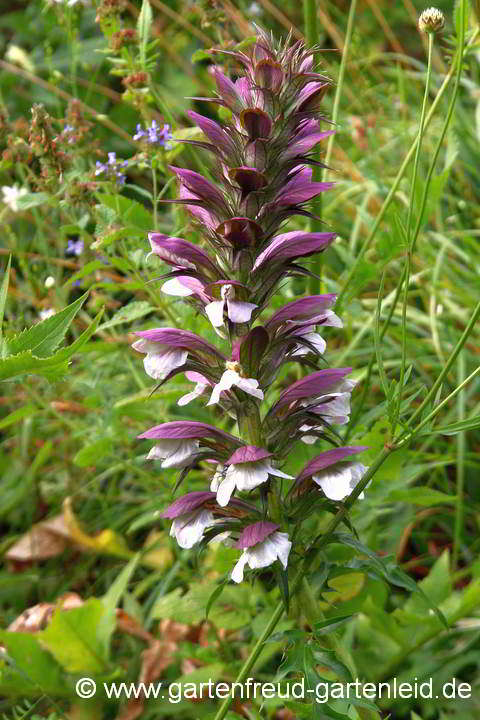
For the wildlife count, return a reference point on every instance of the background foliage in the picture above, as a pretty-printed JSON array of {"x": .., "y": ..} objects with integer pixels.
[{"x": 80, "y": 505}]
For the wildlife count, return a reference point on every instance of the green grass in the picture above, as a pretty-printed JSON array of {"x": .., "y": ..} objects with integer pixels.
[{"x": 76, "y": 437}]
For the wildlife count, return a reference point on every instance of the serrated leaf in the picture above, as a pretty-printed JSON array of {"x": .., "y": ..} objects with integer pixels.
[
  {"x": 132, "y": 311},
  {"x": 32, "y": 670},
  {"x": 44, "y": 337},
  {"x": 330, "y": 624},
  {"x": 52, "y": 367},
  {"x": 388, "y": 570},
  {"x": 229, "y": 612},
  {"x": 79, "y": 639}
]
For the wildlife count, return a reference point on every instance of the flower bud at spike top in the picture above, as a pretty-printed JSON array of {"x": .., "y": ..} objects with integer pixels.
[
  {"x": 431, "y": 20},
  {"x": 244, "y": 213}
]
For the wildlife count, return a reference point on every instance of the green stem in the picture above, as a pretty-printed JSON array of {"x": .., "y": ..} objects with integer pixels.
[
  {"x": 310, "y": 21},
  {"x": 311, "y": 40},
  {"x": 341, "y": 76},
  {"x": 155, "y": 199},
  {"x": 409, "y": 225},
  {"x": 410, "y": 434},
  {"x": 258, "y": 647},
  {"x": 460, "y": 465},
  {"x": 448, "y": 365},
  {"x": 324, "y": 540}
]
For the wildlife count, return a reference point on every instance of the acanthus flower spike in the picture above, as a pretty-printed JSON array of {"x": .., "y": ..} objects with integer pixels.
[{"x": 261, "y": 178}]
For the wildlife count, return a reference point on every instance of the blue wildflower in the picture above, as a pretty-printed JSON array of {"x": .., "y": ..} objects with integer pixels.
[
  {"x": 113, "y": 168},
  {"x": 154, "y": 135},
  {"x": 75, "y": 247}
]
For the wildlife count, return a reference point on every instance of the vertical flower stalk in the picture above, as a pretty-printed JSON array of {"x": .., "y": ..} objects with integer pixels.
[
  {"x": 263, "y": 158},
  {"x": 431, "y": 21}
]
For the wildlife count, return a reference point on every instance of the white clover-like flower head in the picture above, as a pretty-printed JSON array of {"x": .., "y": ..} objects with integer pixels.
[{"x": 431, "y": 20}]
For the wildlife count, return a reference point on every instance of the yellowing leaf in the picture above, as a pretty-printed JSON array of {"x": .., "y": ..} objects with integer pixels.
[{"x": 107, "y": 541}]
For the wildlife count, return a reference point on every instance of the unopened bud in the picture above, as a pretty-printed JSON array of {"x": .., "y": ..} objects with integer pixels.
[{"x": 431, "y": 20}]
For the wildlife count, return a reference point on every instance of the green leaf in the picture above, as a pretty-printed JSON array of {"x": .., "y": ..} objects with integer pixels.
[
  {"x": 85, "y": 270},
  {"x": 18, "y": 415},
  {"x": 144, "y": 24},
  {"x": 79, "y": 639},
  {"x": 130, "y": 211},
  {"x": 3, "y": 300},
  {"x": 327, "y": 626},
  {"x": 52, "y": 367},
  {"x": 31, "y": 200},
  {"x": 229, "y": 611},
  {"x": 132, "y": 311},
  {"x": 454, "y": 428},
  {"x": 200, "y": 55},
  {"x": 116, "y": 590},
  {"x": 389, "y": 570},
  {"x": 33, "y": 670},
  {"x": 44, "y": 337},
  {"x": 437, "y": 586},
  {"x": 215, "y": 594},
  {"x": 424, "y": 496},
  {"x": 92, "y": 453}
]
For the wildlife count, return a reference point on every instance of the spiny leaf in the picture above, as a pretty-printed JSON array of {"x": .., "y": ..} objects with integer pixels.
[
  {"x": 44, "y": 337},
  {"x": 26, "y": 363}
]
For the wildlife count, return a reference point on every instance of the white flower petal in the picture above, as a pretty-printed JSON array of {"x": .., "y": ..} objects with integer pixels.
[
  {"x": 174, "y": 453},
  {"x": 278, "y": 473},
  {"x": 250, "y": 386},
  {"x": 237, "y": 572},
  {"x": 160, "y": 363},
  {"x": 196, "y": 392},
  {"x": 188, "y": 529},
  {"x": 225, "y": 490},
  {"x": 214, "y": 312},
  {"x": 229, "y": 378},
  {"x": 175, "y": 287},
  {"x": 247, "y": 476},
  {"x": 332, "y": 319},
  {"x": 240, "y": 312},
  {"x": 338, "y": 483},
  {"x": 282, "y": 546}
]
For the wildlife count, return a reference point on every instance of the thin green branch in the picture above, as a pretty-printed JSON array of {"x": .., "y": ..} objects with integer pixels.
[
  {"x": 409, "y": 242},
  {"x": 461, "y": 448}
]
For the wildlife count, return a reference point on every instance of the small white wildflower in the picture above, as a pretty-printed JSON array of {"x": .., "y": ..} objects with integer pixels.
[
  {"x": 49, "y": 282},
  {"x": 11, "y": 196},
  {"x": 45, "y": 314}
]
